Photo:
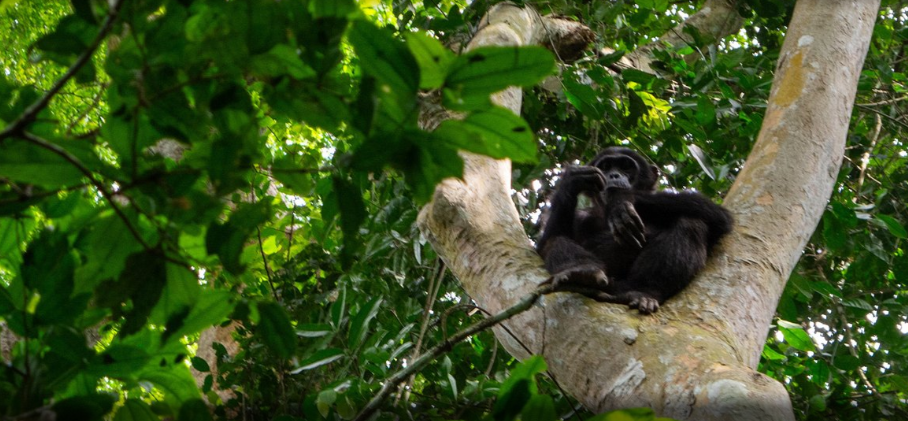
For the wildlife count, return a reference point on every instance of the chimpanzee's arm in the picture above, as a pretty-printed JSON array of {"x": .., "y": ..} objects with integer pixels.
[
  {"x": 564, "y": 256},
  {"x": 663, "y": 208},
  {"x": 562, "y": 216}
]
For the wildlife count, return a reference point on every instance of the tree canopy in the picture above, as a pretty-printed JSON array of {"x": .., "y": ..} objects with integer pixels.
[{"x": 167, "y": 166}]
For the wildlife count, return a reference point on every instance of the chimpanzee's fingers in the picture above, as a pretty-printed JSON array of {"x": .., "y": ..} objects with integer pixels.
[{"x": 631, "y": 229}]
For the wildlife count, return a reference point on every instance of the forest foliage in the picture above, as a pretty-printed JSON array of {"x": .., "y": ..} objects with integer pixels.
[{"x": 170, "y": 165}]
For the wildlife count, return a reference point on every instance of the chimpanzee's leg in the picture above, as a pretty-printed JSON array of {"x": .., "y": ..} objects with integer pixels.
[{"x": 667, "y": 264}]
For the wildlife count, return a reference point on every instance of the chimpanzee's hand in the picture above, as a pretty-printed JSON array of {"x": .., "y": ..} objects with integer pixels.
[
  {"x": 623, "y": 221},
  {"x": 584, "y": 179}
]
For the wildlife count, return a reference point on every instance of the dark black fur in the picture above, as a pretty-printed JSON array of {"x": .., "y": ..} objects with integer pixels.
[{"x": 635, "y": 246}]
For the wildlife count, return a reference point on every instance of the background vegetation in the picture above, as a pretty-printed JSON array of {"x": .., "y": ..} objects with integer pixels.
[{"x": 282, "y": 199}]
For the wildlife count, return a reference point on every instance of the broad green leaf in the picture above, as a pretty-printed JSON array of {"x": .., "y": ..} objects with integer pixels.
[
  {"x": 71, "y": 37},
  {"x": 433, "y": 59},
  {"x": 108, "y": 244},
  {"x": 300, "y": 180},
  {"x": 497, "y": 132},
  {"x": 385, "y": 58},
  {"x": 194, "y": 410},
  {"x": 631, "y": 414},
  {"x": 795, "y": 336},
  {"x": 181, "y": 293},
  {"x": 227, "y": 240},
  {"x": 318, "y": 359},
  {"x": 429, "y": 163},
  {"x": 539, "y": 408},
  {"x": 199, "y": 364},
  {"x": 847, "y": 362},
  {"x": 486, "y": 70},
  {"x": 332, "y": 8},
  {"x": 84, "y": 408},
  {"x": 174, "y": 380},
  {"x": 359, "y": 324},
  {"x": 119, "y": 361},
  {"x": 511, "y": 402},
  {"x": 144, "y": 277},
  {"x": 29, "y": 163},
  {"x": 275, "y": 329},
  {"x": 352, "y": 213},
  {"x": 771, "y": 354},
  {"x": 280, "y": 60},
  {"x": 584, "y": 98},
  {"x": 135, "y": 410},
  {"x": 893, "y": 226},
  {"x": 211, "y": 308}
]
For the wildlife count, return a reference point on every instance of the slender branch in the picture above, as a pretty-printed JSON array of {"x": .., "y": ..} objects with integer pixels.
[
  {"x": 391, "y": 383},
  {"x": 265, "y": 262},
  {"x": 32, "y": 111},
  {"x": 63, "y": 153}
]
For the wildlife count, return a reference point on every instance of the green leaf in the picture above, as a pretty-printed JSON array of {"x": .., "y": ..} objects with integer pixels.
[
  {"x": 181, "y": 292},
  {"x": 847, "y": 362},
  {"x": 497, "y": 133},
  {"x": 511, "y": 402},
  {"x": 359, "y": 324},
  {"x": 293, "y": 177},
  {"x": 332, "y": 8},
  {"x": 194, "y": 410},
  {"x": 83, "y": 408},
  {"x": 135, "y": 410},
  {"x": 119, "y": 361},
  {"x": 275, "y": 329},
  {"x": 199, "y": 364},
  {"x": 539, "y": 408},
  {"x": 227, "y": 240},
  {"x": 175, "y": 381},
  {"x": 211, "y": 307},
  {"x": 385, "y": 58},
  {"x": 29, "y": 163},
  {"x": 485, "y": 70},
  {"x": 892, "y": 225},
  {"x": 631, "y": 414},
  {"x": 282, "y": 59},
  {"x": 71, "y": 37},
  {"x": 352, "y": 213},
  {"x": 771, "y": 354},
  {"x": 427, "y": 164},
  {"x": 795, "y": 336},
  {"x": 108, "y": 244},
  {"x": 636, "y": 109},
  {"x": 314, "y": 330},
  {"x": 318, "y": 359},
  {"x": 433, "y": 59},
  {"x": 146, "y": 273}
]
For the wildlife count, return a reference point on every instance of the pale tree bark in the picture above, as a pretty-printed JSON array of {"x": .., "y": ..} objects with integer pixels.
[
  {"x": 715, "y": 20},
  {"x": 696, "y": 357}
]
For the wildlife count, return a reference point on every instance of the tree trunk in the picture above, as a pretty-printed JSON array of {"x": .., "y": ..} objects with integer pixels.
[{"x": 696, "y": 357}]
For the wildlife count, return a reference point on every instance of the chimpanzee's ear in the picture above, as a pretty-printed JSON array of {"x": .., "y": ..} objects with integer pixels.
[{"x": 656, "y": 172}]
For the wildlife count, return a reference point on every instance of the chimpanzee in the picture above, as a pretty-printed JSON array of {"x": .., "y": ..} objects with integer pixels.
[{"x": 635, "y": 245}]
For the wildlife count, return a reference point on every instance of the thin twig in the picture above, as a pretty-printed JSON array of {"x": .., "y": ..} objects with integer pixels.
[
  {"x": 32, "y": 111},
  {"x": 391, "y": 383},
  {"x": 265, "y": 261},
  {"x": 63, "y": 153},
  {"x": 434, "y": 287}
]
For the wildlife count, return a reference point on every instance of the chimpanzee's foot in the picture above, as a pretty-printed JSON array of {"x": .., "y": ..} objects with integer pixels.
[
  {"x": 587, "y": 276},
  {"x": 643, "y": 302}
]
